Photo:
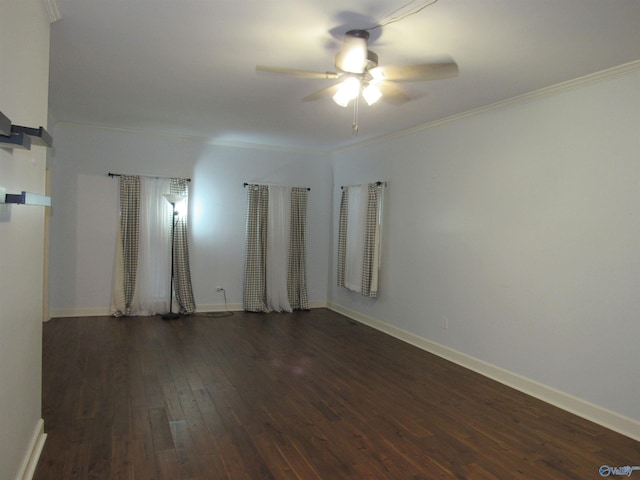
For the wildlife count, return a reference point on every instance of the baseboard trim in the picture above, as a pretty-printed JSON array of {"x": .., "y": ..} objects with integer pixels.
[
  {"x": 237, "y": 307},
  {"x": 219, "y": 307},
  {"x": 80, "y": 312},
  {"x": 594, "y": 413},
  {"x": 30, "y": 461},
  {"x": 105, "y": 312},
  {"x": 318, "y": 304}
]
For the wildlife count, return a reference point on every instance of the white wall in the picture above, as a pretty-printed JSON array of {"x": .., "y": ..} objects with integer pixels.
[
  {"x": 24, "y": 76},
  {"x": 84, "y": 220},
  {"x": 521, "y": 226}
]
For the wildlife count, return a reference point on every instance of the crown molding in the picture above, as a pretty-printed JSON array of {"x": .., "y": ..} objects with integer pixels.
[
  {"x": 590, "y": 79},
  {"x": 194, "y": 138},
  {"x": 586, "y": 80}
]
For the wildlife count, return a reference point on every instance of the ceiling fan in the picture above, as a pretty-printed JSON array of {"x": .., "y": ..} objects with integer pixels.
[{"x": 360, "y": 74}]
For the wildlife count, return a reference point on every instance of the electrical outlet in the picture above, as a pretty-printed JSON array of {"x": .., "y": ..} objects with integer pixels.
[
  {"x": 219, "y": 289},
  {"x": 445, "y": 322}
]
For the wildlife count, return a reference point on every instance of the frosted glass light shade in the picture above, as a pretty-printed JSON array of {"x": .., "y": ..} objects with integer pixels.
[
  {"x": 347, "y": 91},
  {"x": 174, "y": 198},
  {"x": 353, "y": 56},
  {"x": 371, "y": 93}
]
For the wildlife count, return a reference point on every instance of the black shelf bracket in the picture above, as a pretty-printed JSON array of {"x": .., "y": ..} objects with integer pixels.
[
  {"x": 28, "y": 198},
  {"x": 15, "y": 140},
  {"x": 17, "y": 136},
  {"x": 5, "y": 125},
  {"x": 39, "y": 136}
]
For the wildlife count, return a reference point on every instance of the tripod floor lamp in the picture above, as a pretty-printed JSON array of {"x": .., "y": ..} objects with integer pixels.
[{"x": 172, "y": 199}]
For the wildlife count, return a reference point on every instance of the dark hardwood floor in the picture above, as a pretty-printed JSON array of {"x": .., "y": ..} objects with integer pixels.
[{"x": 309, "y": 395}]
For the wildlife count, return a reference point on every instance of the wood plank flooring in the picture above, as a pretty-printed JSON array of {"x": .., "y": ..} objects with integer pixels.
[{"x": 303, "y": 396}]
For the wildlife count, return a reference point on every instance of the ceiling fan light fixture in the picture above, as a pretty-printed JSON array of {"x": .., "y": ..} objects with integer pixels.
[
  {"x": 377, "y": 73},
  {"x": 354, "y": 55},
  {"x": 371, "y": 93},
  {"x": 352, "y": 60},
  {"x": 341, "y": 100},
  {"x": 347, "y": 91}
]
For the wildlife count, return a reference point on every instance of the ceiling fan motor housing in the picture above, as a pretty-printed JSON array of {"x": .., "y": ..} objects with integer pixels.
[
  {"x": 372, "y": 60},
  {"x": 358, "y": 34}
]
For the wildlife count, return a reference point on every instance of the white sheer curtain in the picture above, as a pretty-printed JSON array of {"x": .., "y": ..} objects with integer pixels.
[
  {"x": 275, "y": 267},
  {"x": 155, "y": 247},
  {"x": 356, "y": 228},
  {"x": 359, "y": 237},
  {"x": 152, "y": 279},
  {"x": 278, "y": 248}
]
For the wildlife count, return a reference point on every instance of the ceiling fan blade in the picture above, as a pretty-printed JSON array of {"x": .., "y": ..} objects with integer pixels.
[
  {"x": 393, "y": 94},
  {"x": 320, "y": 94},
  {"x": 296, "y": 72},
  {"x": 412, "y": 73}
]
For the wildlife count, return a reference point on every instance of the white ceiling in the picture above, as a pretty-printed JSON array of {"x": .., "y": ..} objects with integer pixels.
[{"x": 188, "y": 67}]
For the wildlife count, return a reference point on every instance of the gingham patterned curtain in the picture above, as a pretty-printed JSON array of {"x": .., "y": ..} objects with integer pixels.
[
  {"x": 297, "y": 274},
  {"x": 371, "y": 242},
  {"x": 181, "y": 270},
  {"x": 342, "y": 235},
  {"x": 372, "y": 233},
  {"x": 129, "y": 240},
  {"x": 254, "y": 295}
]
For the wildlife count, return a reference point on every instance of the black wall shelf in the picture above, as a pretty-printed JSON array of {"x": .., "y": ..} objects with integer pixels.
[
  {"x": 28, "y": 198},
  {"x": 15, "y": 140},
  {"x": 5, "y": 125},
  {"x": 17, "y": 136},
  {"x": 39, "y": 136}
]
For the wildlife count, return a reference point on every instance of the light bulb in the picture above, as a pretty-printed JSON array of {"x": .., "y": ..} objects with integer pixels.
[
  {"x": 377, "y": 73},
  {"x": 347, "y": 91},
  {"x": 371, "y": 93}
]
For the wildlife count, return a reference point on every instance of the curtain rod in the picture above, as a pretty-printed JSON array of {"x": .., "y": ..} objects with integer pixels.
[
  {"x": 377, "y": 183},
  {"x": 147, "y": 176},
  {"x": 271, "y": 185}
]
